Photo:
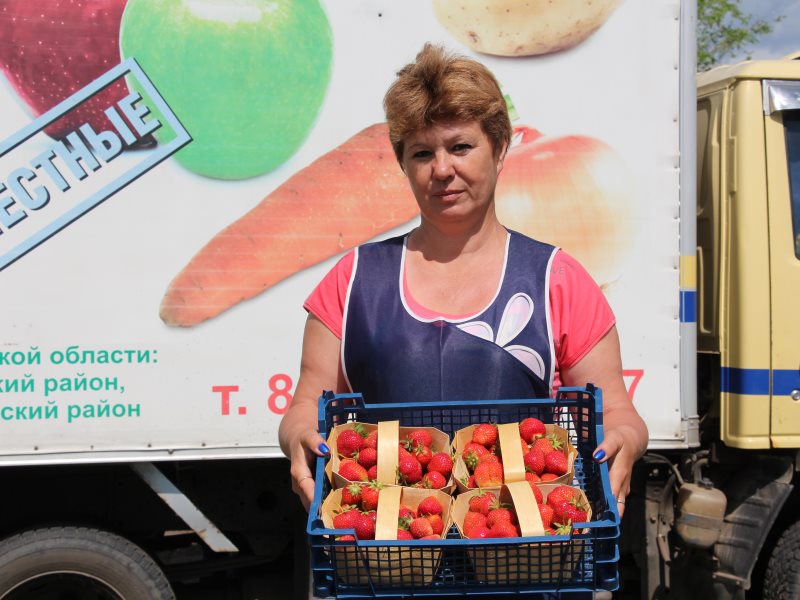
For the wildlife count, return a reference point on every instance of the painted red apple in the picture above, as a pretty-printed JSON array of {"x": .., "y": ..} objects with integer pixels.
[{"x": 50, "y": 50}]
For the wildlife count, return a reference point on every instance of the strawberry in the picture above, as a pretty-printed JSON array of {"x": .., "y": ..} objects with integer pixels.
[
  {"x": 534, "y": 461},
  {"x": 420, "y": 527},
  {"x": 471, "y": 482},
  {"x": 471, "y": 453},
  {"x": 472, "y": 519},
  {"x": 409, "y": 470},
  {"x": 437, "y": 525},
  {"x": 531, "y": 428},
  {"x": 544, "y": 445},
  {"x": 402, "y": 452},
  {"x": 419, "y": 437},
  {"x": 489, "y": 475},
  {"x": 479, "y": 532},
  {"x": 575, "y": 513},
  {"x": 351, "y": 494},
  {"x": 546, "y": 513},
  {"x": 370, "y": 494},
  {"x": 556, "y": 462},
  {"x": 429, "y": 506},
  {"x": 346, "y": 538},
  {"x": 371, "y": 441},
  {"x": 532, "y": 477},
  {"x": 441, "y": 463},
  {"x": 549, "y": 477},
  {"x": 485, "y": 435},
  {"x": 365, "y": 527},
  {"x": 423, "y": 454},
  {"x": 562, "y": 528},
  {"x": 504, "y": 529},
  {"x": 498, "y": 514},
  {"x": 372, "y": 472},
  {"x": 352, "y": 471},
  {"x": 367, "y": 457},
  {"x": 482, "y": 502},
  {"x": 490, "y": 458},
  {"x": 349, "y": 442},
  {"x": 403, "y": 534},
  {"x": 346, "y": 519},
  {"x": 433, "y": 480},
  {"x": 432, "y": 536},
  {"x": 562, "y": 492},
  {"x": 537, "y": 493},
  {"x": 373, "y": 514},
  {"x": 524, "y": 446}
]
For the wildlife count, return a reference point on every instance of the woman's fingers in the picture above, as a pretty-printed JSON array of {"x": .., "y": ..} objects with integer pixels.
[
  {"x": 310, "y": 446},
  {"x": 620, "y": 465}
]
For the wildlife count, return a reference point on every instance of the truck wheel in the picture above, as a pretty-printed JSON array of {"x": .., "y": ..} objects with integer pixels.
[
  {"x": 79, "y": 564},
  {"x": 782, "y": 578}
]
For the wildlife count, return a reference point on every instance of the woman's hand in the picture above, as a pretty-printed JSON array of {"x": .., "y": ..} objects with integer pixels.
[
  {"x": 303, "y": 453},
  {"x": 625, "y": 432},
  {"x": 298, "y": 435}
]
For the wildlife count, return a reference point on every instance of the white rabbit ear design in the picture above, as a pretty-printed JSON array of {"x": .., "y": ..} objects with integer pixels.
[
  {"x": 528, "y": 357},
  {"x": 479, "y": 329},
  {"x": 516, "y": 315}
]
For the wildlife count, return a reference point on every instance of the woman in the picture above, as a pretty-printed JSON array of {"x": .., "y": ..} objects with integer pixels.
[{"x": 459, "y": 308}]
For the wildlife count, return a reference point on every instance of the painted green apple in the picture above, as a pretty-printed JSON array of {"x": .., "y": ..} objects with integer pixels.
[{"x": 245, "y": 77}]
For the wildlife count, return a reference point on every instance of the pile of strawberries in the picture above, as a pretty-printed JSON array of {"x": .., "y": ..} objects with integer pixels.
[
  {"x": 418, "y": 465},
  {"x": 487, "y": 517},
  {"x": 359, "y": 512},
  {"x": 543, "y": 455}
]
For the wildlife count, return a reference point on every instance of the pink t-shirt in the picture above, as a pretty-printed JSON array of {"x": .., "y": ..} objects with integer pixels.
[{"x": 579, "y": 312}]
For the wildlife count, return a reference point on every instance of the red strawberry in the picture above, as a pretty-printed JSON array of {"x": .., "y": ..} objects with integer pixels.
[
  {"x": 351, "y": 494},
  {"x": 549, "y": 477},
  {"x": 352, "y": 471},
  {"x": 471, "y": 482},
  {"x": 369, "y": 495},
  {"x": 349, "y": 442},
  {"x": 441, "y": 463},
  {"x": 532, "y": 477},
  {"x": 537, "y": 493},
  {"x": 489, "y": 475},
  {"x": 409, "y": 470},
  {"x": 498, "y": 514},
  {"x": 471, "y": 453},
  {"x": 402, "y": 452},
  {"x": 478, "y": 532},
  {"x": 490, "y": 458},
  {"x": 482, "y": 502},
  {"x": 372, "y": 472},
  {"x": 371, "y": 441},
  {"x": 531, "y": 428},
  {"x": 433, "y": 480},
  {"x": 406, "y": 513},
  {"x": 403, "y": 534},
  {"x": 373, "y": 514},
  {"x": 346, "y": 519},
  {"x": 419, "y": 437},
  {"x": 472, "y": 519},
  {"x": 367, "y": 457},
  {"x": 365, "y": 527},
  {"x": 547, "y": 444},
  {"x": 546, "y": 513},
  {"x": 562, "y": 492},
  {"x": 575, "y": 513},
  {"x": 420, "y": 527},
  {"x": 429, "y": 506},
  {"x": 504, "y": 529},
  {"x": 534, "y": 461},
  {"x": 437, "y": 525},
  {"x": 346, "y": 538},
  {"x": 556, "y": 462},
  {"x": 423, "y": 454},
  {"x": 485, "y": 435}
]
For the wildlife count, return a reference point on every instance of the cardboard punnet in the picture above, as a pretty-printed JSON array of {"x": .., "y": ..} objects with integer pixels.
[
  {"x": 541, "y": 562},
  {"x": 389, "y": 436},
  {"x": 388, "y": 565},
  {"x": 511, "y": 451}
]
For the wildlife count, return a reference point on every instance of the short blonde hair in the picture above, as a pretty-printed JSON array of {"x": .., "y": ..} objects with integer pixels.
[{"x": 440, "y": 87}]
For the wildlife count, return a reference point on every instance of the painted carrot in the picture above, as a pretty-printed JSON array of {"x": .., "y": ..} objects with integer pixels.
[{"x": 346, "y": 197}]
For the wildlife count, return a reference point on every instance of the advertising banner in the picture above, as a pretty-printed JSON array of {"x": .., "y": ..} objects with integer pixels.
[{"x": 177, "y": 176}]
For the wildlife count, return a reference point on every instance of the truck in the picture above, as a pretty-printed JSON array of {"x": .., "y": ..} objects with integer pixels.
[{"x": 176, "y": 177}]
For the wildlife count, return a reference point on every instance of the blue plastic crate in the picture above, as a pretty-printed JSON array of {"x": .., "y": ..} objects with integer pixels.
[{"x": 381, "y": 568}]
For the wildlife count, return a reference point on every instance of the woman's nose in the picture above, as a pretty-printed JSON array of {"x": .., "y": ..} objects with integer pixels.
[{"x": 442, "y": 165}]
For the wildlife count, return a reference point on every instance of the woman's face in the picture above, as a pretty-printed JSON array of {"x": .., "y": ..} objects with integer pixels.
[{"x": 452, "y": 170}]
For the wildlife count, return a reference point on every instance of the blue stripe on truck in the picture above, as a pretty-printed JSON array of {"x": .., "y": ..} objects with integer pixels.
[
  {"x": 756, "y": 381},
  {"x": 688, "y": 306}
]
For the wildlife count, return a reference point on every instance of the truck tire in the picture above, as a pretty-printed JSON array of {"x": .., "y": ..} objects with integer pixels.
[
  {"x": 782, "y": 578},
  {"x": 78, "y": 563}
]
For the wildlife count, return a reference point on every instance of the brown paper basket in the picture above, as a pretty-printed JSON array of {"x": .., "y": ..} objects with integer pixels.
[
  {"x": 545, "y": 562},
  {"x": 513, "y": 465},
  {"x": 399, "y": 566},
  {"x": 389, "y": 436}
]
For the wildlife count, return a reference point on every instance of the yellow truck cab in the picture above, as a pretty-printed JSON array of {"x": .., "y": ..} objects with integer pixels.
[{"x": 721, "y": 519}]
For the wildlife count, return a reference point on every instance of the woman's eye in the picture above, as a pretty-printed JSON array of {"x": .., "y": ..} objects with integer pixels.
[
  {"x": 421, "y": 154},
  {"x": 461, "y": 148}
]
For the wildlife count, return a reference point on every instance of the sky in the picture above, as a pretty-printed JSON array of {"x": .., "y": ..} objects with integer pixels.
[{"x": 785, "y": 37}]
